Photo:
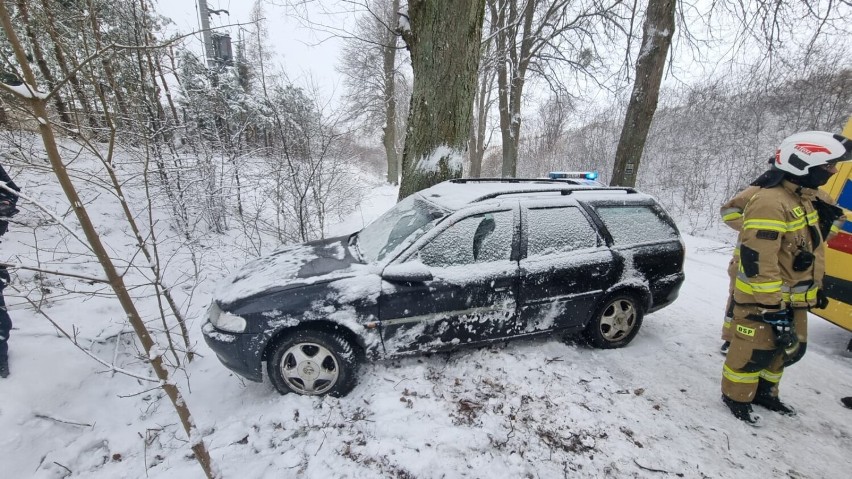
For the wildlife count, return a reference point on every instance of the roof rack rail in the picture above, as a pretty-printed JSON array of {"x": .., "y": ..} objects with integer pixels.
[
  {"x": 563, "y": 191},
  {"x": 508, "y": 180},
  {"x": 628, "y": 189}
]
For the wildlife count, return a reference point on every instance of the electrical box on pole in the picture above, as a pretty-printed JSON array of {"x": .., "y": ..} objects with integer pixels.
[
  {"x": 222, "y": 49},
  {"x": 217, "y": 46}
]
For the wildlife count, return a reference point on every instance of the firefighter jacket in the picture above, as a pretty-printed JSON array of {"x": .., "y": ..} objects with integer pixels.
[{"x": 782, "y": 251}]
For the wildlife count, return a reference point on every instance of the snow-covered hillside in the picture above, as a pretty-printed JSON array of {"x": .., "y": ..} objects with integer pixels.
[{"x": 538, "y": 409}]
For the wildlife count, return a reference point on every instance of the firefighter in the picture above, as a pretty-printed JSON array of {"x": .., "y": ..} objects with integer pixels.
[
  {"x": 732, "y": 215},
  {"x": 780, "y": 270}
]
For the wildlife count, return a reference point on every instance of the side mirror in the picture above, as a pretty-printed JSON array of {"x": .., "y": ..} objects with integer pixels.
[{"x": 410, "y": 272}]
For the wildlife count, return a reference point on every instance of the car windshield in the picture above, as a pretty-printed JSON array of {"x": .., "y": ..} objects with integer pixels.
[{"x": 401, "y": 225}]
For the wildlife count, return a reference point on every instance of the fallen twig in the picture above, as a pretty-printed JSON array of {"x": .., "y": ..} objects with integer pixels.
[
  {"x": 63, "y": 467},
  {"x": 651, "y": 469},
  {"x": 43, "y": 416}
]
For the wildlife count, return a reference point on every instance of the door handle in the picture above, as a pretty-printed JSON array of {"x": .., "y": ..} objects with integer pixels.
[{"x": 501, "y": 289}]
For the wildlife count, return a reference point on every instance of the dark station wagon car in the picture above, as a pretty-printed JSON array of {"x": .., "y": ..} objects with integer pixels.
[{"x": 464, "y": 262}]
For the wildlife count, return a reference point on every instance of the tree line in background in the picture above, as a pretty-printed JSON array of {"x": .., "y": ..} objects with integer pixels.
[
  {"x": 560, "y": 48},
  {"x": 707, "y": 141},
  {"x": 434, "y": 89},
  {"x": 211, "y": 134}
]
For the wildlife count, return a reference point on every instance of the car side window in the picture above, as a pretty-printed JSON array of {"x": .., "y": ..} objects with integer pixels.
[
  {"x": 476, "y": 239},
  {"x": 558, "y": 230},
  {"x": 638, "y": 224}
]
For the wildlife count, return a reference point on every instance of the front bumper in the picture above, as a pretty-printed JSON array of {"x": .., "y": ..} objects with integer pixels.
[{"x": 237, "y": 351}]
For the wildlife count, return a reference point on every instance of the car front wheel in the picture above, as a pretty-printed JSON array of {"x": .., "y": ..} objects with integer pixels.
[
  {"x": 616, "y": 323},
  {"x": 313, "y": 363}
]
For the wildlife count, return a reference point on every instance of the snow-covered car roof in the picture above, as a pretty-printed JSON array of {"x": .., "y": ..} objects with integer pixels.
[{"x": 456, "y": 194}]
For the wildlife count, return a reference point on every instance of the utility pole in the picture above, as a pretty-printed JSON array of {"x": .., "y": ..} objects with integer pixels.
[{"x": 205, "y": 33}]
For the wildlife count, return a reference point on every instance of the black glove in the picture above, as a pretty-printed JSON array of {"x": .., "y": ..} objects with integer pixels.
[
  {"x": 782, "y": 326},
  {"x": 821, "y": 299},
  {"x": 4, "y": 277},
  {"x": 782, "y": 317}
]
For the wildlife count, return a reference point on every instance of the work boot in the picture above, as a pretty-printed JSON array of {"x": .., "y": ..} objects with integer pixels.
[
  {"x": 4, "y": 368},
  {"x": 742, "y": 411},
  {"x": 724, "y": 349},
  {"x": 774, "y": 404},
  {"x": 847, "y": 401},
  {"x": 767, "y": 396}
]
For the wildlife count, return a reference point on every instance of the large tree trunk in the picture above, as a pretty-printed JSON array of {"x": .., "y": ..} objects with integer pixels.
[
  {"x": 656, "y": 40},
  {"x": 444, "y": 41},
  {"x": 390, "y": 130}
]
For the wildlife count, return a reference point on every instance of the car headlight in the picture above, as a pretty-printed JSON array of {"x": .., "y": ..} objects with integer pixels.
[{"x": 226, "y": 321}]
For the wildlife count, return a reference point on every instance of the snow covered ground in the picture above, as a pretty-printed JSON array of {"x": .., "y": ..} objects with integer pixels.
[{"x": 537, "y": 409}]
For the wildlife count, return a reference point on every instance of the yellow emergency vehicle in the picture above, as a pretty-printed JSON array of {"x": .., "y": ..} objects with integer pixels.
[{"x": 838, "y": 256}]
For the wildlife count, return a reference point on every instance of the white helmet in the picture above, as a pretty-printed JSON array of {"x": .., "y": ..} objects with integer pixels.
[{"x": 801, "y": 151}]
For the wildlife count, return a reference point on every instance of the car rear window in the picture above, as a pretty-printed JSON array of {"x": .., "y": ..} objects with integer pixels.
[
  {"x": 638, "y": 224},
  {"x": 557, "y": 230}
]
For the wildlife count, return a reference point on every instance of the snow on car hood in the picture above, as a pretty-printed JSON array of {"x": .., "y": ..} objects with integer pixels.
[{"x": 305, "y": 263}]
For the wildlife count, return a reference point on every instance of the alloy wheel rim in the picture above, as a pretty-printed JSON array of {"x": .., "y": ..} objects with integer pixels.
[
  {"x": 309, "y": 368},
  {"x": 618, "y": 320}
]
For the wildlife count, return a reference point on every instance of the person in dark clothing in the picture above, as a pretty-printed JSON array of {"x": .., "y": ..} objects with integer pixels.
[
  {"x": 5, "y": 325},
  {"x": 8, "y": 200}
]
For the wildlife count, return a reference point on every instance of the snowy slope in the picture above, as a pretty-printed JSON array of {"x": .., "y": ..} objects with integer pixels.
[{"x": 527, "y": 409}]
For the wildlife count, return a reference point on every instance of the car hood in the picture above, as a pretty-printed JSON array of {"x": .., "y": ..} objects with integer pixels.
[{"x": 288, "y": 267}]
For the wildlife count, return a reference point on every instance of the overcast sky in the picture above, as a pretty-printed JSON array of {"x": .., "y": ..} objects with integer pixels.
[{"x": 307, "y": 55}]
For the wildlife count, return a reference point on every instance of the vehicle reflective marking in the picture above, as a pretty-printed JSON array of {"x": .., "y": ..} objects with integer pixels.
[
  {"x": 462, "y": 312},
  {"x": 563, "y": 297}
]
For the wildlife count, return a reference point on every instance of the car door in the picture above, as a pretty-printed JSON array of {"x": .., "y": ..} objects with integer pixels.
[
  {"x": 468, "y": 292},
  {"x": 564, "y": 269}
]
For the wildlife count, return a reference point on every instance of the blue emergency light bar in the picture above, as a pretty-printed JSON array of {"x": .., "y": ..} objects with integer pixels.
[{"x": 588, "y": 175}]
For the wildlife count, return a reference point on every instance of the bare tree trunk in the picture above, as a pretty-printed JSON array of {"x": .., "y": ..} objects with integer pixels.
[
  {"x": 389, "y": 138},
  {"x": 444, "y": 42},
  {"x": 483, "y": 102},
  {"x": 105, "y": 63},
  {"x": 511, "y": 86},
  {"x": 39, "y": 108},
  {"x": 477, "y": 133},
  {"x": 38, "y": 54},
  {"x": 656, "y": 40},
  {"x": 63, "y": 62}
]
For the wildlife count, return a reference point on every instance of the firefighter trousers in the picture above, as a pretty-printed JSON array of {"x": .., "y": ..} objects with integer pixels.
[{"x": 754, "y": 358}]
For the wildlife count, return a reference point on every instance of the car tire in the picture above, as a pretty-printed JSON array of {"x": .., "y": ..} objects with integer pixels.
[
  {"x": 615, "y": 323},
  {"x": 313, "y": 363}
]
